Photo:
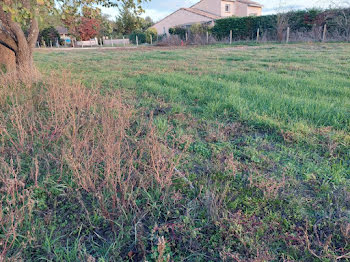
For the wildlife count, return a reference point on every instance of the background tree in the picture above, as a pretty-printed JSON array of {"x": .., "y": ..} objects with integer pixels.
[
  {"x": 282, "y": 20},
  {"x": 127, "y": 21},
  {"x": 49, "y": 19},
  {"x": 19, "y": 27},
  {"x": 49, "y": 35},
  {"x": 106, "y": 26},
  {"x": 343, "y": 18},
  {"x": 145, "y": 23},
  {"x": 71, "y": 19},
  {"x": 89, "y": 28}
]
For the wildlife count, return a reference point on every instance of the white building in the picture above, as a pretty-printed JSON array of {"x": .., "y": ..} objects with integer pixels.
[{"x": 206, "y": 12}]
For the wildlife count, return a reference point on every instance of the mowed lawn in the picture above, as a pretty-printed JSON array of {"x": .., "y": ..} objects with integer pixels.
[
  {"x": 266, "y": 174},
  {"x": 295, "y": 87}
]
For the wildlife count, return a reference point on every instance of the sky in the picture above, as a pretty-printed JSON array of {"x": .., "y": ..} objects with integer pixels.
[{"x": 158, "y": 9}]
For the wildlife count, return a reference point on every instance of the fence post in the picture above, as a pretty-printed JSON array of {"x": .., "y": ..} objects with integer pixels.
[
  {"x": 288, "y": 32},
  {"x": 257, "y": 35},
  {"x": 230, "y": 37},
  {"x": 112, "y": 41},
  {"x": 151, "y": 40},
  {"x": 324, "y": 33},
  {"x": 137, "y": 40},
  {"x": 207, "y": 37},
  {"x": 186, "y": 36}
]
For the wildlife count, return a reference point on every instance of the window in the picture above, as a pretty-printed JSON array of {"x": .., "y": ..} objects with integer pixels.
[{"x": 227, "y": 8}]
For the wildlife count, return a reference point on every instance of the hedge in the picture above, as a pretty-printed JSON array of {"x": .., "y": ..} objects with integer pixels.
[
  {"x": 141, "y": 36},
  {"x": 245, "y": 28}
]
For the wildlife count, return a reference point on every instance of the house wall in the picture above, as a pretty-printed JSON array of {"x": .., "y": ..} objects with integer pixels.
[
  {"x": 240, "y": 9},
  {"x": 210, "y": 6},
  {"x": 223, "y": 8},
  {"x": 252, "y": 10},
  {"x": 180, "y": 17}
]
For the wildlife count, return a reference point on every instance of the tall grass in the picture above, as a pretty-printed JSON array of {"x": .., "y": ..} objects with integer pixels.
[
  {"x": 60, "y": 129},
  {"x": 246, "y": 160}
]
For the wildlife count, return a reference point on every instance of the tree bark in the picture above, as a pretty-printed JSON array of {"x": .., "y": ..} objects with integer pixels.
[
  {"x": 24, "y": 57},
  {"x": 7, "y": 59},
  {"x": 20, "y": 59}
]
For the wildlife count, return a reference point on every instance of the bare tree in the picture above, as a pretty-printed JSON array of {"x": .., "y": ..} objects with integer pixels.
[
  {"x": 342, "y": 19},
  {"x": 282, "y": 20}
]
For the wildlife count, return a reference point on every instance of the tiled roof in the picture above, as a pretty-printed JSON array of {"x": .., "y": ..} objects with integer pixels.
[
  {"x": 248, "y": 2},
  {"x": 62, "y": 30},
  {"x": 201, "y": 13}
]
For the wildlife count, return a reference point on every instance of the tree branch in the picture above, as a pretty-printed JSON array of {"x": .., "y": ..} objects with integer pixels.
[
  {"x": 33, "y": 33},
  {"x": 12, "y": 26}
]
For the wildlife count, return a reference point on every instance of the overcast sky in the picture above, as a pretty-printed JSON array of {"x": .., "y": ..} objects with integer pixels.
[{"x": 158, "y": 9}]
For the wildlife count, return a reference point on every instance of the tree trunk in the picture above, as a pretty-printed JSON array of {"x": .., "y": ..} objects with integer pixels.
[
  {"x": 7, "y": 59},
  {"x": 13, "y": 38},
  {"x": 24, "y": 58}
]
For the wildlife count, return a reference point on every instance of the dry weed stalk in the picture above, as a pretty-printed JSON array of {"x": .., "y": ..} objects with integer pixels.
[
  {"x": 268, "y": 185},
  {"x": 95, "y": 140},
  {"x": 323, "y": 250},
  {"x": 244, "y": 228},
  {"x": 161, "y": 250},
  {"x": 15, "y": 205}
]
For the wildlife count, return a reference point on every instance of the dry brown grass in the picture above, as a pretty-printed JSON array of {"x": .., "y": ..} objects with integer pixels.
[
  {"x": 97, "y": 140},
  {"x": 15, "y": 205}
]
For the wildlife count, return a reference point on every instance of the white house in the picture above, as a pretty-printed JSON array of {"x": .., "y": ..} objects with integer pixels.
[{"x": 206, "y": 12}]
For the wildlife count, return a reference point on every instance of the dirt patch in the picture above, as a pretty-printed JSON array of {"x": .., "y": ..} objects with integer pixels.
[{"x": 7, "y": 59}]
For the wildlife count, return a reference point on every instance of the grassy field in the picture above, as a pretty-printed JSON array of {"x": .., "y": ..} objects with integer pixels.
[{"x": 247, "y": 152}]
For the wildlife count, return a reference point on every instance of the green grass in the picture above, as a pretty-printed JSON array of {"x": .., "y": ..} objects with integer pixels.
[
  {"x": 279, "y": 113},
  {"x": 289, "y": 86}
]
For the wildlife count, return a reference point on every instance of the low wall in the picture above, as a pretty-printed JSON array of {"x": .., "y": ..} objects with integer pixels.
[
  {"x": 87, "y": 43},
  {"x": 116, "y": 42}
]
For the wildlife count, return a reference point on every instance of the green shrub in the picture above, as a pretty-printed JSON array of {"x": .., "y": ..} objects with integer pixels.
[
  {"x": 140, "y": 35},
  {"x": 49, "y": 35},
  {"x": 180, "y": 31},
  {"x": 151, "y": 32},
  {"x": 198, "y": 29}
]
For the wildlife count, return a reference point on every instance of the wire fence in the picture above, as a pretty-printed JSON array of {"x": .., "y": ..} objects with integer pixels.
[
  {"x": 287, "y": 35},
  {"x": 95, "y": 42}
]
